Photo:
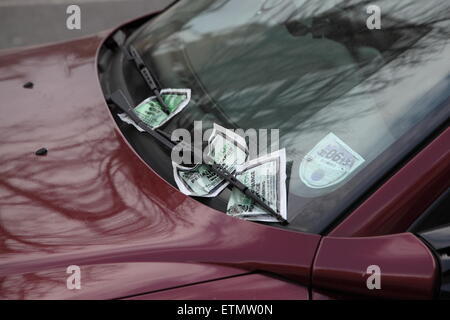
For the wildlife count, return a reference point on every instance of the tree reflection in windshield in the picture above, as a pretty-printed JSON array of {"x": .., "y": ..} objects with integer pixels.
[{"x": 307, "y": 68}]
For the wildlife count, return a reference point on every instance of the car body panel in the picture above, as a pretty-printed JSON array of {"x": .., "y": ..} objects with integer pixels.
[
  {"x": 246, "y": 287},
  {"x": 91, "y": 200},
  {"x": 403, "y": 197},
  {"x": 407, "y": 267},
  {"x": 109, "y": 281}
]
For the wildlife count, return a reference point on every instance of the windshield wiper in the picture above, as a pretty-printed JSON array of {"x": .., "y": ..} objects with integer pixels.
[
  {"x": 119, "y": 99},
  {"x": 148, "y": 77},
  {"x": 118, "y": 40}
]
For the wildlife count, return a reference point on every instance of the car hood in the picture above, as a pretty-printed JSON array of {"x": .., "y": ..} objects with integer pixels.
[{"x": 92, "y": 202}]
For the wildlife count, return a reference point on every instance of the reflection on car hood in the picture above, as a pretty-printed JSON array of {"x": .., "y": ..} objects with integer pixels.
[{"x": 91, "y": 200}]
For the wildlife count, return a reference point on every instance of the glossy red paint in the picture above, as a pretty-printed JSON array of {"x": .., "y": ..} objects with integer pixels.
[
  {"x": 408, "y": 269},
  {"x": 397, "y": 203},
  {"x": 92, "y": 201},
  {"x": 316, "y": 295},
  {"x": 247, "y": 287},
  {"x": 109, "y": 281}
]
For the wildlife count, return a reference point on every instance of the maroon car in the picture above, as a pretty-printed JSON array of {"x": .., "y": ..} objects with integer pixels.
[{"x": 83, "y": 192}]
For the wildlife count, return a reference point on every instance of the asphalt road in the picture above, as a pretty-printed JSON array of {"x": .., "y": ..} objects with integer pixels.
[{"x": 30, "y": 22}]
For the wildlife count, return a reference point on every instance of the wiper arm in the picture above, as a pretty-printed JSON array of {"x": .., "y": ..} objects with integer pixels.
[
  {"x": 224, "y": 174},
  {"x": 148, "y": 77},
  {"x": 119, "y": 99},
  {"x": 118, "y": 40}
]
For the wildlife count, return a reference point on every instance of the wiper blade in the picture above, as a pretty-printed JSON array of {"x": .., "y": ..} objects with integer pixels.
[
  {"x": 148, "y": 77},
  {"x": 224, "y": 174},
  {"x": 119, "y": 99}
]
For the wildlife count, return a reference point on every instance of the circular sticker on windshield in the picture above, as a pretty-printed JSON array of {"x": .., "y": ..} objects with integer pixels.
[{"x": 328, "y": 163}]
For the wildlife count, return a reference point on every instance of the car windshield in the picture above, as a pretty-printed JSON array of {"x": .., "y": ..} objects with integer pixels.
[{"x": 350, "y": 100}]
